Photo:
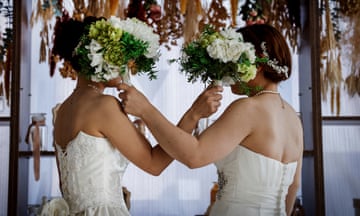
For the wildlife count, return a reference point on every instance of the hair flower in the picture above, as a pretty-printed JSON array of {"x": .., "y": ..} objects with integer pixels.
[{"x": 110, "y": 45}]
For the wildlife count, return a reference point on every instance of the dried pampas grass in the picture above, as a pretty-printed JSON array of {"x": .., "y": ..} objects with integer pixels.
[
  {"x": 331, "y": 74},
  {"x": 352, "y": 81}
]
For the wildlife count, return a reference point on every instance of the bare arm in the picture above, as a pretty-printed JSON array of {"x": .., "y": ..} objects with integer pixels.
[
  {"x": 214, "y": 143},
  {"x": 205, "y": 105},
  {"x": 122, "y": 133}
]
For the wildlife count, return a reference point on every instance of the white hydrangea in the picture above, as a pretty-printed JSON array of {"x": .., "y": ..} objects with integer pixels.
[
  {"x": 218, "y": 50},
  {"x": 235, "y": 49},
  {"x": 98, "y": 62},
  {"x": 226, "y": 50},
  {"x": 141, "y": 31}
]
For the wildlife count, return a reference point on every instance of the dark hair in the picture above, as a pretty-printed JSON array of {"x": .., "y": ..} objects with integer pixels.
[
  {"x": 276, "y": 47},
  {"x": 67, "y": 34}
]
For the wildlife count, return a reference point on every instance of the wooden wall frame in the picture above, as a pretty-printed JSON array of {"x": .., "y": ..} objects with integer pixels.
[{"x": 14, "y": 113}]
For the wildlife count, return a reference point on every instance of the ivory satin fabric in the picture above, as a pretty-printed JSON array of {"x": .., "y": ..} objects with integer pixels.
[{"x": 252, "y": 184}]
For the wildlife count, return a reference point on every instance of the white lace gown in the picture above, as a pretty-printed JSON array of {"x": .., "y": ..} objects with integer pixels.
[
  {"x": 91, "y": 176},
  {"x": 252, "y": 184}
]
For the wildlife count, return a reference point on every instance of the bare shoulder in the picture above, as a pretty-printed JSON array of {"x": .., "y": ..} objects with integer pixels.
[
  {"x": 242, "y": 110},
  {"x": 247, "y": 106},
  {"x": 109, "y": 106},
  {"x": 242, "y": 103},
  {"x": 294, "y": 116}
]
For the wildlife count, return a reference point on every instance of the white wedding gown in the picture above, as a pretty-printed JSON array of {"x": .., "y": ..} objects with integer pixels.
[
  {"x": 251, "y": 184},
  {"x": 91, "y": 176}
]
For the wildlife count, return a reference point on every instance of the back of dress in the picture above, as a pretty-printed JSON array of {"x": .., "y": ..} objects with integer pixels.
[
  {"x": 252, "y": 184},
  {"x": 91, "y": 172}
]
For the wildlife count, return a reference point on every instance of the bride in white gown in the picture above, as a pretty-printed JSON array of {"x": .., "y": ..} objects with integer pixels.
[
  {"x": 256, "y": 144},
  {"x": 94, "y": 138}
]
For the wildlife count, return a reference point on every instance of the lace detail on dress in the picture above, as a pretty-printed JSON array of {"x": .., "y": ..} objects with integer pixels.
[
  {"x": 91, "y": 173},
  {"x": 222, "y": 181}
]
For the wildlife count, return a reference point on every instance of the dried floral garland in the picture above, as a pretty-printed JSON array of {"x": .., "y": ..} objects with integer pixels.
[
  {"x": 177, "y": 19},
  {"x": 330, "y": 74},
  {"x": 282, "y": 14},
  {"x": 148, "y": 11},
  {"x": 332, "y": 40},
  {"x": 45, "y": 11},
  {"x": 285, "y": 16},
  {"x": 351, "y": 9},
  {"x": 234, "y": 11},
  {"x": 194, "y": 12},
  {"x": 169, "y": 27},
  {"x": 352, "y": 81},
  {"x": 252, "y": 13},
  {"x": 217, "y": 16}
]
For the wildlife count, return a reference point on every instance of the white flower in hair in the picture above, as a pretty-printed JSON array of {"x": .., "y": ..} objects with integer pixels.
[{"x": 274, "y": 63}]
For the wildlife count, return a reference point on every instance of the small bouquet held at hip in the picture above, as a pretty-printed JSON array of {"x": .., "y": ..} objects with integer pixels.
[
  {"x": 115, "y": 47},
  {"x": 221, "y": 57}
]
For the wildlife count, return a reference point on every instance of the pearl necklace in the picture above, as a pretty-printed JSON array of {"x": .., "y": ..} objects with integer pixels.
[
  {"x": 271, "y": 92},
  {"x": 95, "y": 88},
  {"x": 267, "y": 91}
]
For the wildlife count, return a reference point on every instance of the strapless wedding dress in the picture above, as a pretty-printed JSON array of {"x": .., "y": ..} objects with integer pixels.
[
  {"x": 252, "y": 184},
  {"x": 91, "y": 176}
]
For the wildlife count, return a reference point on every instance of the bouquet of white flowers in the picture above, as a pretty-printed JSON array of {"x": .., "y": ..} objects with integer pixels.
[
  {"x": 116, "y": 47},
  {"x": 219, "y": 56}
]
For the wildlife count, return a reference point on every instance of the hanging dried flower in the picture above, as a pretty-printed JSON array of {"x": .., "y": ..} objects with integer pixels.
[
  {"x": 217, "y": 16},
  {"x": 170, "y": 26}
]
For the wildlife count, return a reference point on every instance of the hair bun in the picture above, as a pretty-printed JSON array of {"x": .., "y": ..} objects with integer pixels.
[{"x": 67, "y": 34}]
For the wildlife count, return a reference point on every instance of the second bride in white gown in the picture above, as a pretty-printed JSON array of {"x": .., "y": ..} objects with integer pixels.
[{"x": 256, "y": 143}]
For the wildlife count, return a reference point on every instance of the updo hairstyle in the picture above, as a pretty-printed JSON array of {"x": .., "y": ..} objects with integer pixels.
[
  {"x": 67, "y": 34},
  {"x": 276, "y": 48}
]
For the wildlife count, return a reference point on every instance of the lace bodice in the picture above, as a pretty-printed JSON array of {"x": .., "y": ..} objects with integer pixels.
[
  {"x": 91, "y": 171},
  {"x": 253, "y": 183}
]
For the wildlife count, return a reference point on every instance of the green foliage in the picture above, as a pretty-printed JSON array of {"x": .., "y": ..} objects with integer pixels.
[
  {"x": 84, "y": 61},
  {"x": 117, "y": 49}
]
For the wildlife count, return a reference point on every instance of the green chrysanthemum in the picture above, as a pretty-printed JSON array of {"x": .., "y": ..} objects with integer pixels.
[
  {"x": 110, "y": 46},
  {"x": 104, "y": 33}
]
